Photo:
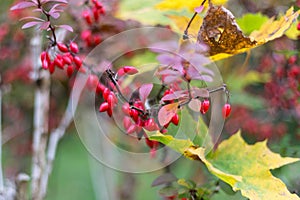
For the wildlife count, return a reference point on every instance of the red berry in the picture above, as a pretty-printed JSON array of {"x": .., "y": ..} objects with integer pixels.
[
  {"x": 52, "y": 68},
  {"x": 87, "y": 17},
  {"x": 103, "y": 107},
  {"x": 130, "y": 70},
  {"x": 126, "y": 109},
  {"x": 151, "y": 125},
  {"x": 127, "y": 122},
  {"x": 67, "y": 60},
  {"x": 45, "y": 56},
  {"x": 97, "y": 4},
  {"x": 97, "y": 39},
  {"x": 62, "y": 47},
  {"x": 134, "y": 114},
  {"x": 77, "y": 61},
  {"x": 70, "y": 70},
  {"x": 131, "y": 129},
  {"x": 105, "y": 93},
  {"x": 45, "y": 64},
  {"x": 111, "y": 100},
  {"x": 175, "y": 119},
  {"x": 226, "y": 110},
  {"x": 96, "y": 14},
  {"x": 100, "y": 88},
  {"x": 92, "y": 82},
  {"x": 109, "y": 112},
  {"x": 74, "y": 47},
  {"x": 298, "y": 26},
  {"x": 204, "y": 106},
  {"x": 59, "y": 62}
]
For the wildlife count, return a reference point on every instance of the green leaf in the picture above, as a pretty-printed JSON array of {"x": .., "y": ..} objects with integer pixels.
[
  {"x": 178, "y": 145},
  {"x": 250, "y": 22},
  {"x": 143, "y": 11}
]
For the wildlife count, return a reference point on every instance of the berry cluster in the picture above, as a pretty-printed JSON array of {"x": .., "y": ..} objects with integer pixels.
[
  {"x": 65, "y": 59},
  {"x": 91, "y": 16}
]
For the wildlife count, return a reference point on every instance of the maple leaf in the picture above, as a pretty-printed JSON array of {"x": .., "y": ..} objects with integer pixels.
[{"x": 244, "y": 167}]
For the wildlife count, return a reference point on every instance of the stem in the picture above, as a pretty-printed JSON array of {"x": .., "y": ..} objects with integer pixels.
[{"x": 185, "y": 35}]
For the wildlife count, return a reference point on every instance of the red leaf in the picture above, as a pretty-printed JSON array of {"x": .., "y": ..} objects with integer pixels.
[
  {"x": 166, "y": 113},
  {"x": 144, "y": 91},
  {"x": 23, "y": 5}
]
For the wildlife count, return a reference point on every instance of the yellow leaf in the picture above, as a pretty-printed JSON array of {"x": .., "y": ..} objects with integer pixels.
[
  {"x": 247, "y": 168},
  {"x": 273, "y": 29},
  {"x": 180, "y": 4}
]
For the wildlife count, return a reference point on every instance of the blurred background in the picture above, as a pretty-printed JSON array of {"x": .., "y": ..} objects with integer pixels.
[{"x": 264, "y": 92}]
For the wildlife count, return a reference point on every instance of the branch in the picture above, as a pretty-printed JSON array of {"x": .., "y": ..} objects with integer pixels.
[
  {"x": 1, "y": 172},
  {"x": 40, "y": 121},
  {"x": 55, "y": 137}
]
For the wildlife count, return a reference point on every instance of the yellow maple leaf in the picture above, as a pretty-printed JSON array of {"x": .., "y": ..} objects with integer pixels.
[{"x": 180, "y": 4}]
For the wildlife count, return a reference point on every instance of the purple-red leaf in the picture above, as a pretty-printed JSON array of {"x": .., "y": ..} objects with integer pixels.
[
  {"x": 35, "y": 18},
  {"x": 200, "y": 92},
  {"x": 31, "y": 24},
  {"x": 195, "y": 105},
  {"x": 166, "y": 113},
  {"x": 66, "y": 27},
  {"x": 175, "y": 95},
  {"x": 59, "y": 1},
  {"x": 145, "y": 91},
  {"x": 22, "y": 5},
  {"x": 44, "y": 25}
]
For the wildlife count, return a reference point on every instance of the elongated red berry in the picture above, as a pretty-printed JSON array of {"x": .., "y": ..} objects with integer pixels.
[
  {"x": 59, "y": 62},
  {"x": 77, "y": 61},
  {"x": 204, "y": 106},
  {"x": 127, "y": 122},
  {"x": 45, "y": 56},
  {"x": 105, "y": 94},
  {"x": 45, "y": 64},
  {"x": 131, "y": 129},
  {"x": 70, "y": 70},
  {"x": 175, "y": 119},
  {"x": 103, "y": 107},
  {"x": 130, "y": 70},
  {"x": 67, "y": 60},
  {"x": 86, "y": 15},
  {"x": 226, "y": 110},
  {"x": 74, "y": 47},
  {"x": 134, "y": 114},
  {"x": 111, "y": 100},
  {"x": 109, "y": 112},
  {"x": 126, "y": 109},
  {"x": 51, "y": 67},
  {"x": 62, "y": 47},
  {"x": 298, "y": 26}
]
